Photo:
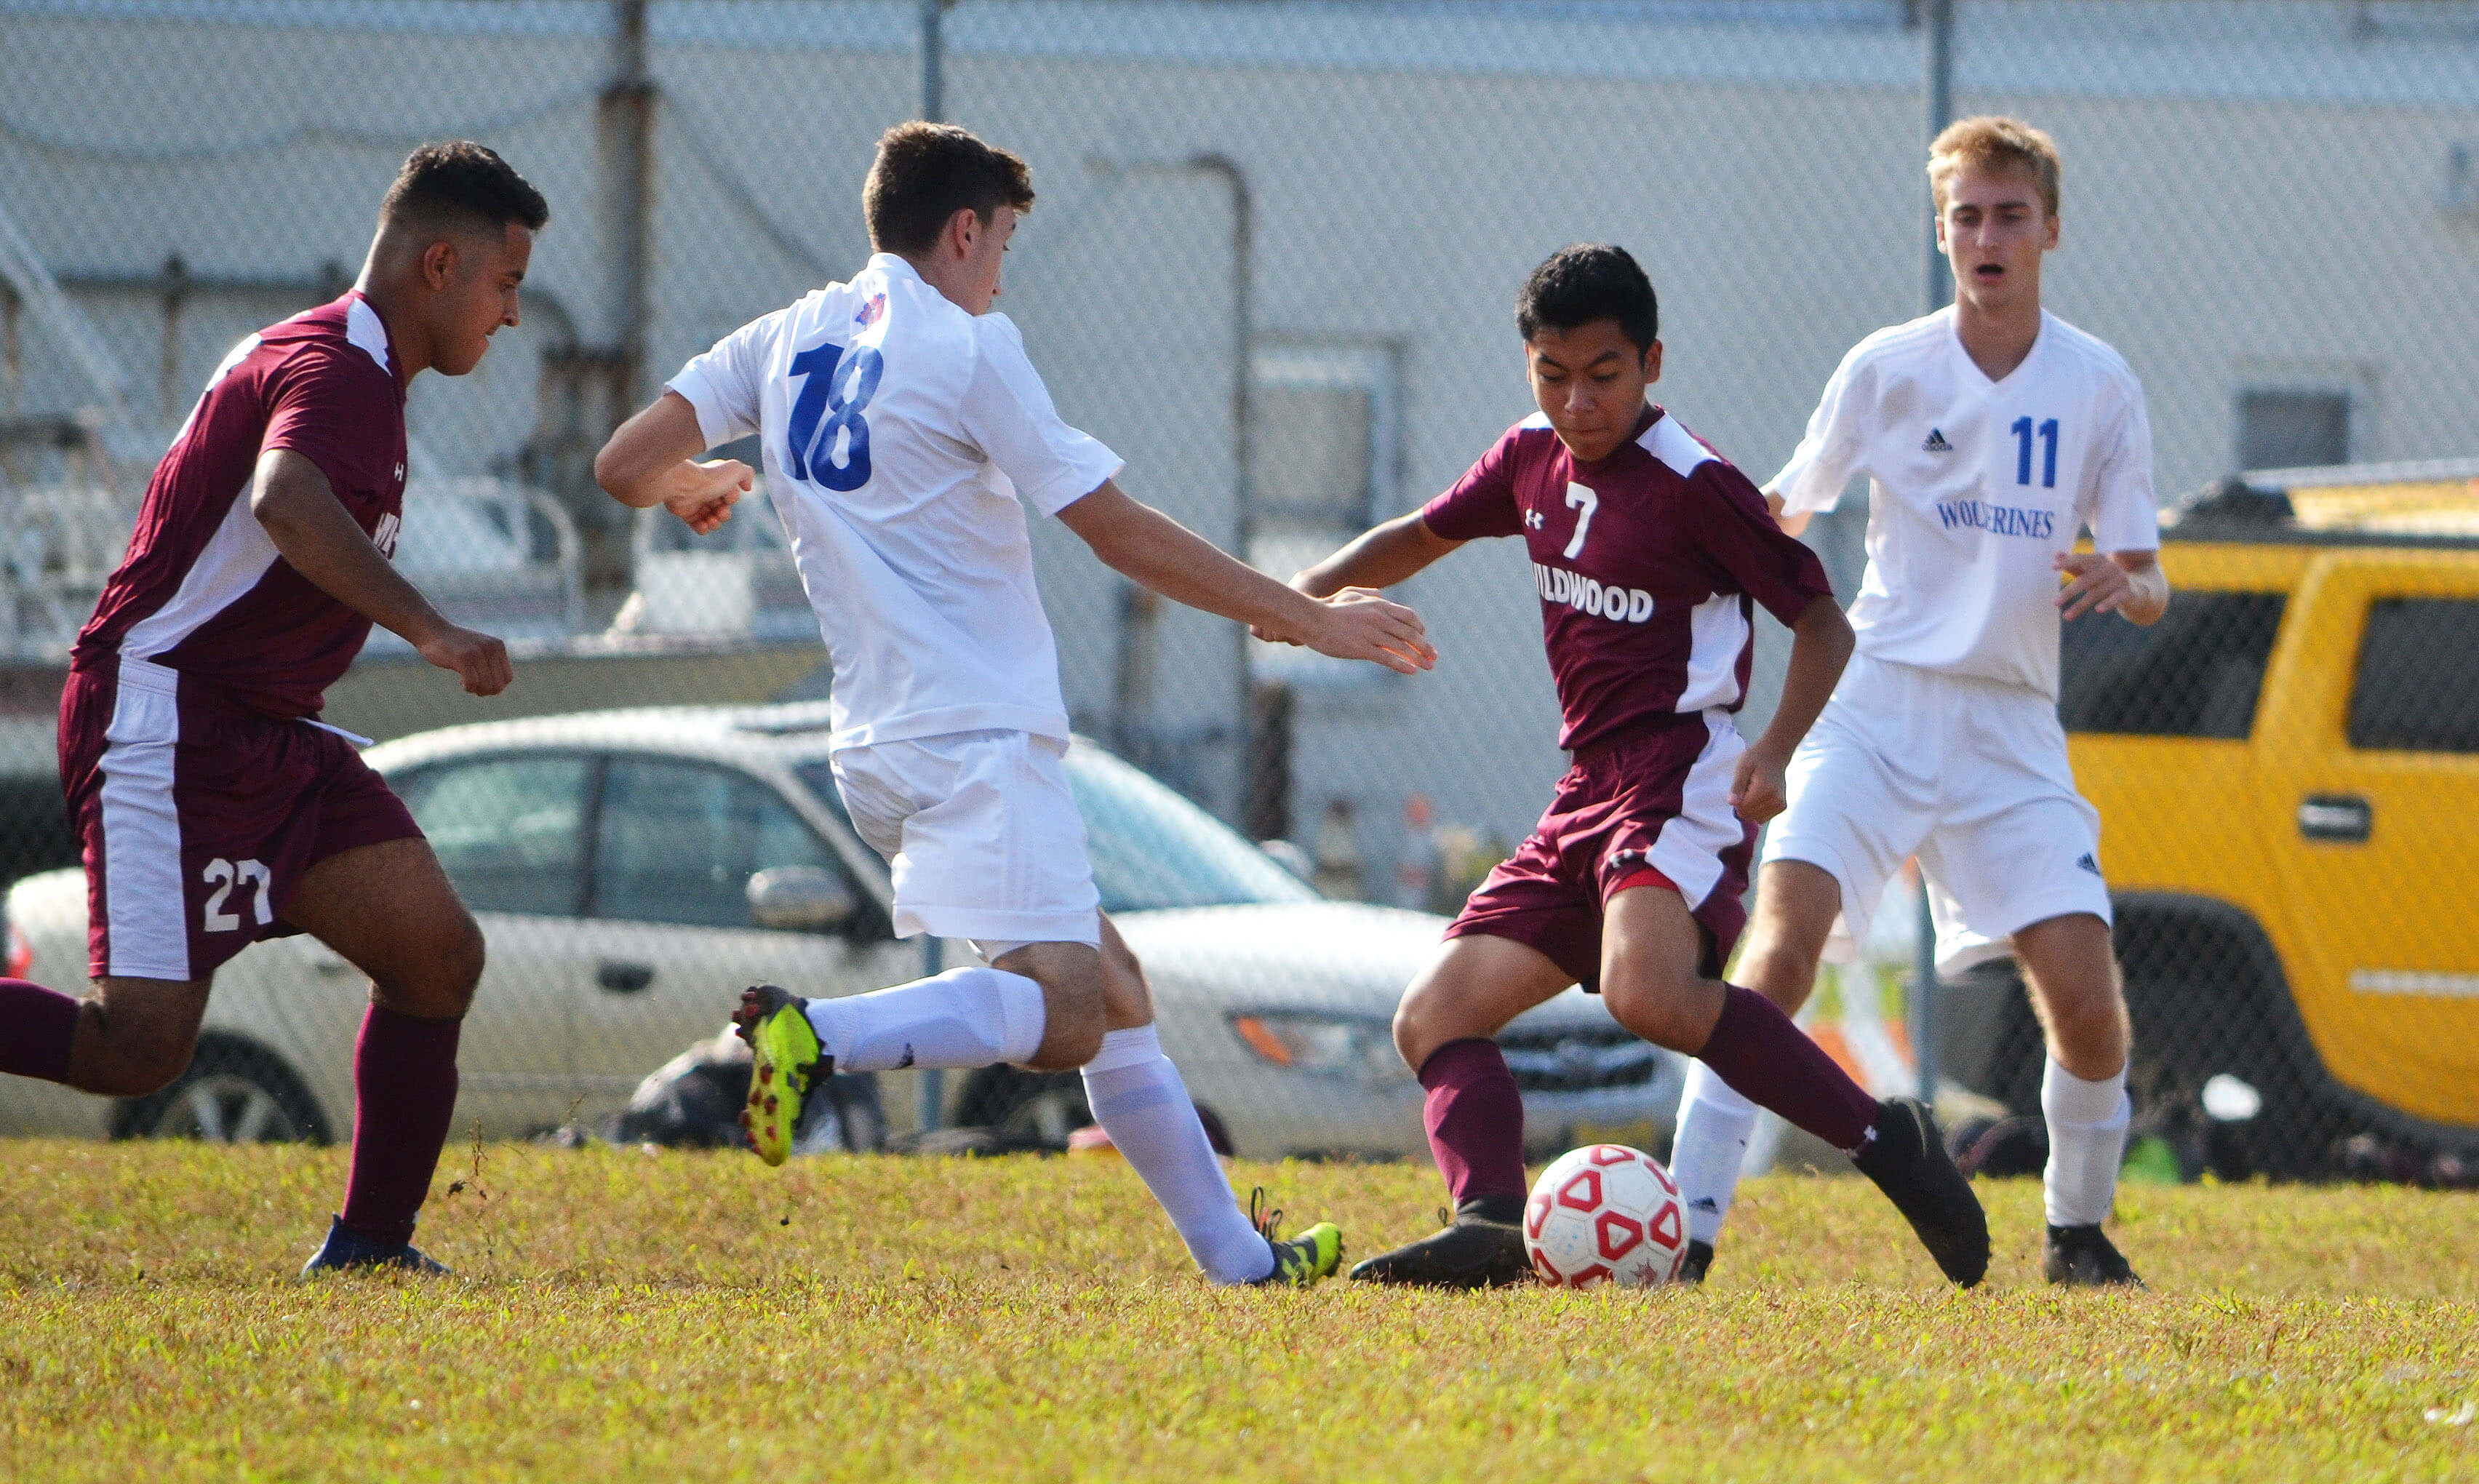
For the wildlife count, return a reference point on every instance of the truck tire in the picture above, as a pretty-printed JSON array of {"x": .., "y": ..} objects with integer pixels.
[{"x": 2206, "y": 998}]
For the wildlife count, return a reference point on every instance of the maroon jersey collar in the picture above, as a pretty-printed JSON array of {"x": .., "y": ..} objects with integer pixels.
[
  {"x": 395, "y": 361},
  {"x": 1633, "y": 443}
]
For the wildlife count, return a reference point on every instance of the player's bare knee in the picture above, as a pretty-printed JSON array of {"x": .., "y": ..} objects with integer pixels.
[
  {"x": 144, "y": 1060},
  {"x": 1072, "y": 1026},
  {"x": 438, "y": 980},
  {"x": 1781, "y": 970},
  {"x": 1660, "y": 1007},
  {"x": 1074, "y": 1000},
  {"x": 1427, "y": 1019}
]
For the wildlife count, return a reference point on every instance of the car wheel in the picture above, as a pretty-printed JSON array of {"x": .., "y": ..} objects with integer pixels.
[
  {"x": 232, "y": 1094},
  {"x": 1048, "y": 1105}
]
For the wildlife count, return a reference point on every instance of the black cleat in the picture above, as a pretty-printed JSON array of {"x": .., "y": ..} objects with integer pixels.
[
  {"x": 1907, "y": 1160},
  {"x": 2082, "y": 1257},
  {"x": 1472, "y": 1252},
  {"x": 1698, "y": 1262}
]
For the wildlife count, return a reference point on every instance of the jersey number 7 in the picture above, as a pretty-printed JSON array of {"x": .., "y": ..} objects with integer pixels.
[{"x": 810, "y": 448}]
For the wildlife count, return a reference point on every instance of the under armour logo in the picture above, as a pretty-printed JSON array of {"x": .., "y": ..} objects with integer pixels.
[
  {"x": 399, "y": 470},
  {"x": 2089, "y": 864},
  {"x": 1534, "y": 519},
  {"x": 1937, "y": 443}
]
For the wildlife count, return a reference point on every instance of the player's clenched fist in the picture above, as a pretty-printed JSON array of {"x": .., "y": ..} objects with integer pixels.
[
  {"x": 1360, "y": 622},
  {"x": 479, "y": 660},
  {"x": 709, "y": 492},
  {"x": 1758, "y": 792}
]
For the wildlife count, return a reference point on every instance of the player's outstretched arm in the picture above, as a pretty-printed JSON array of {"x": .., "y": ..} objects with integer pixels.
[
  {"x": 652, "y": 460},
  {"x": 1379, "y": 556},
  {"x": 1820, "y": 646},
  {"x": 2130, "y": 584},
  {"x": 311, "y": 529},
  {"x": 1150, "y": 547}
]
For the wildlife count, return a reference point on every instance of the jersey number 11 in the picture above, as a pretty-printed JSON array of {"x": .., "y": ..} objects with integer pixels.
[{"x": 2023, "y": 452}]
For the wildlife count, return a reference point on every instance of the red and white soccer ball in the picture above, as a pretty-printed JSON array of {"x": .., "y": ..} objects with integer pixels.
[{"x": 1605, "y": 1213}]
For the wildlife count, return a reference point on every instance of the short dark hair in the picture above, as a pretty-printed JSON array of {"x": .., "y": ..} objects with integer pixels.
[
  {"x": 926, "y": 172},
  {"x": 459, "y": 183},
  {"x": 1586, "y": 282}
]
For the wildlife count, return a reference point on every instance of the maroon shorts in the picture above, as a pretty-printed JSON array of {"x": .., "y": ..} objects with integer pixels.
[
  {"x": 198, "y": 816},
  {"x": 1658, "y": 803}
]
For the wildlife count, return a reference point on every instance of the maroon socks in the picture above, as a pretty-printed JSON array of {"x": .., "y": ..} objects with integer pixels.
[
  {"x": 1475, "y": 1119},
  {"x": 404, "y": 1092},
  {"x": 37, "y": 1025},
  {"x": 1770, "y": 1061}
]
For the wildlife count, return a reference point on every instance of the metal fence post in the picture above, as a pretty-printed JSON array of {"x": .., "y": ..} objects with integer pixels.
[
  {"x": 1936, "y": 87},
  {"x": 933, "y": 60}
]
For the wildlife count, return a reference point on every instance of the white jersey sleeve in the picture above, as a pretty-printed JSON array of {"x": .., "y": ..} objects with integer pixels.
[
  {"x": 725, "y": 383},
  {"x": 2124, "y": 514},
  {"x": 1008, "y": 415},
  {"x": 1837, "y": 443}
]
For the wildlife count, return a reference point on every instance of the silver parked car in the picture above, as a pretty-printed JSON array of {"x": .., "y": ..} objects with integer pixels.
[{"x": 632, "y": 870}]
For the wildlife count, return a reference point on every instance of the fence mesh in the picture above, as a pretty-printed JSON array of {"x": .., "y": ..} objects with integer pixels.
[{"x": 1273, "y": 265}]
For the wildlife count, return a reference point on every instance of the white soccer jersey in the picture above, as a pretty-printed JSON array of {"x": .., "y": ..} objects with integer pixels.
[
  {"x": 897, "y": 433},
  {"x": 1976, "y": 487}
]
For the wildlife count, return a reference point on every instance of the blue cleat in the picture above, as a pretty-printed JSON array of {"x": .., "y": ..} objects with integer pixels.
[{"x": 345, "y": 1250}]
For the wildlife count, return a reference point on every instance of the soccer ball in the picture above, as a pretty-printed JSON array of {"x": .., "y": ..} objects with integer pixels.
[{"x": 1605, "y": 1213}]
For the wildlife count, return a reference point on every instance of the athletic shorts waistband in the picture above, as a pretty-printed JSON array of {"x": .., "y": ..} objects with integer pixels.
[{"x": 1655, "y": 728}]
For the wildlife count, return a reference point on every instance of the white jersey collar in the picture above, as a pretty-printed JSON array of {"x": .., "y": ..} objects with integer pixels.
[{"x": 1971, "y": 371}]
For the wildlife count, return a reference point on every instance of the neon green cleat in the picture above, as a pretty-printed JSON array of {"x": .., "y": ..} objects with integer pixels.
[
  {"x": 1302, "y": 1260},
  {"x": 786, "y": 1059}
]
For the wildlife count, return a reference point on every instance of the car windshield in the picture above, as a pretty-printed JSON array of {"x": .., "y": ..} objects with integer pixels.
[{"x": 1152, "y": 850}]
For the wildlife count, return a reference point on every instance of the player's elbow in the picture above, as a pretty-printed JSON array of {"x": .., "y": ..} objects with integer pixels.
[
  {"x": 1821, "y": 625},
  {"x": 618, "y": 474}
]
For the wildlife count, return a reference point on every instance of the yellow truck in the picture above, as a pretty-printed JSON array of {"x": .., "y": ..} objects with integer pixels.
[{"x": 2286, "y": 768}]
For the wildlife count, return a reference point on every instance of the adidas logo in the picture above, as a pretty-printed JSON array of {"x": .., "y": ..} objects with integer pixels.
[
  {"x": 2089, "y": 864},
  {"x": 1937, "y": 443}
]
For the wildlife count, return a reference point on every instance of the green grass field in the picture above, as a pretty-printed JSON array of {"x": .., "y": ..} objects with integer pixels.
[{"x": 675, "y": 1315}]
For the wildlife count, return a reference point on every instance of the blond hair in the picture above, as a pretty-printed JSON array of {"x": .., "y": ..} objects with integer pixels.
[{"x": 1993, "y": 142}]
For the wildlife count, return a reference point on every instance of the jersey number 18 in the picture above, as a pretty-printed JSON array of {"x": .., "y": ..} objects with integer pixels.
[{"x": 840, "y": 400}]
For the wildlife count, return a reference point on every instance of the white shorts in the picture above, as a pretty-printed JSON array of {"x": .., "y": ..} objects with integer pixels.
[
  {"x": 983, "y": 835},
  {"x": 1969, "y": 774}
]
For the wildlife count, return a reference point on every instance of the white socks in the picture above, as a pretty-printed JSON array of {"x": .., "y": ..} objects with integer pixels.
[
  {"x": 1138, "y": 1097},
  {"x": 963, "y": 1018},
  {"x": 2086, "y": 1140},
  {"x": 1714, "y": 1126}
]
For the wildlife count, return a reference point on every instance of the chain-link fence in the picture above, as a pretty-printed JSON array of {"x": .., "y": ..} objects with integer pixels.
[{"x": 1273, "y": 265}]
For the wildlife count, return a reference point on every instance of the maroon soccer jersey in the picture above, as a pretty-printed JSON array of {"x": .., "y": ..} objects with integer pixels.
[
  {"x": 1645, "y": 564},
  {"x": 203, "y": 592}
]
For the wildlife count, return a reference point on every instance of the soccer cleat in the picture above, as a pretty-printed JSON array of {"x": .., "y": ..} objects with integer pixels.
[
  {"x": 347, "y": 1250},
  {"x": 1696, "y": 1262},
  {"x": 786, "y": 1060},
  {"x": 1470, "y": 1252},
  {"x": 1302, "y": 1260},
  {"x": 1907, "y": 1160},
  {"x": 2084, "y": 1257}
]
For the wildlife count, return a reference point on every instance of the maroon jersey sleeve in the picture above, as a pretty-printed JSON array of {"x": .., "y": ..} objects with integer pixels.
[
  {"x": 1728, "y": 518},
  {"x": 1482, "y": 503},
  {"x": 332, "y": 412}
]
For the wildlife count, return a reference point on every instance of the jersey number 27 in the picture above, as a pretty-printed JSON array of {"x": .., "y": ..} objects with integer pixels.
[{"x": 840, "y": 400}]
